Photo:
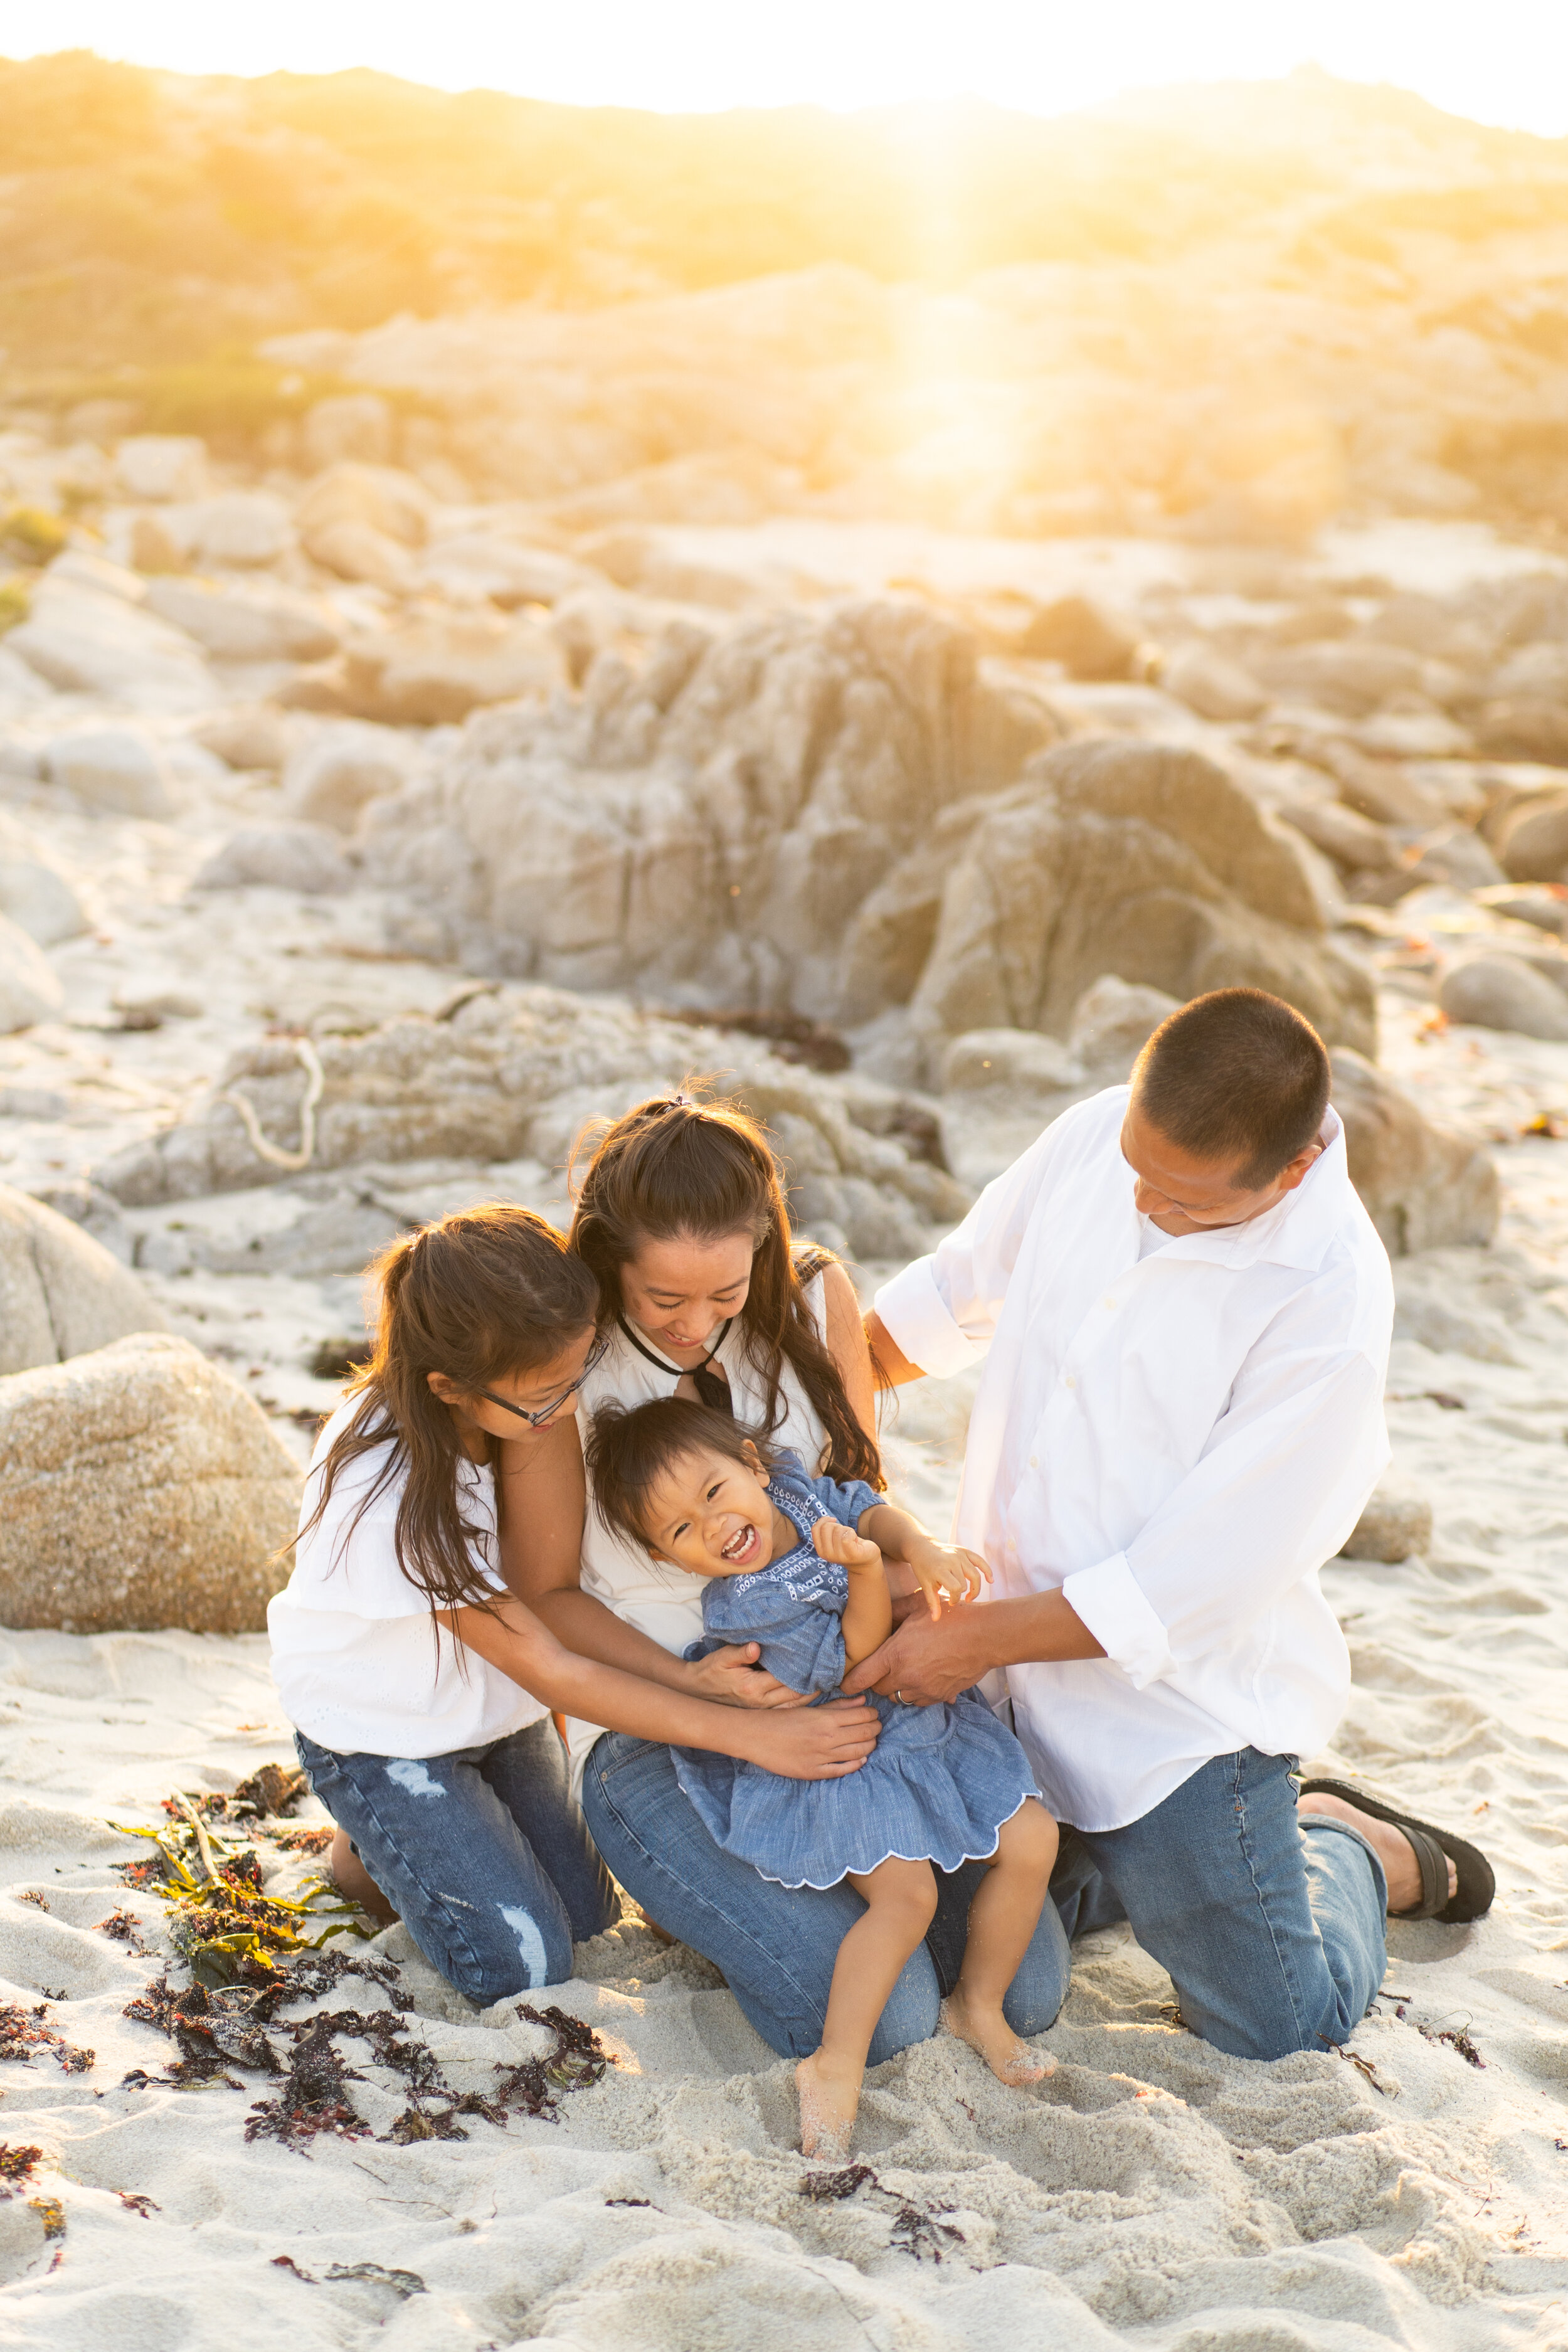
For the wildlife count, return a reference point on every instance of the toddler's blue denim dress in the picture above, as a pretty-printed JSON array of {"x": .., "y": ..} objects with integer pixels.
[{"x": 937, "y": 1785}]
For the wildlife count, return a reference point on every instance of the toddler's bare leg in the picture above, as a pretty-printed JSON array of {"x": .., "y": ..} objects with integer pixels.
[
  {"x": 1002, "y": 1919},
  {"x": 900, "y": 1901}
]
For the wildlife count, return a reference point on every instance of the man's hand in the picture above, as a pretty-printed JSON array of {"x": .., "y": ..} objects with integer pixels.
[
  {"x": 923, "y": 1662},
  {"x": 824, "y": 1744},
  {"x": 733, "y": 1677}
]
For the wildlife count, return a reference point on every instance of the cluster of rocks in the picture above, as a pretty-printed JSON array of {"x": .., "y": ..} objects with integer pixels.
[
  {"x": 986, "y": 840},
  {"x": 516, "y": 1073}
]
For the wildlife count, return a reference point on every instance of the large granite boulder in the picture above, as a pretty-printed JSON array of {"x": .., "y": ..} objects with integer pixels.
[
  {"x": 1534, "y": 840},
  {"x": 83, "y": 642},
  {"x": 61, "y": 1293},
  {"x": 1526, "y": 993},
  {"x": 30, "y": 988},
  {"x": 1424, "y": 1187},
  {"x": 33, "y": 894},
  {"x": 435, "y": 669},
  {"x": 707, "y": 817},
  {"x": 139, "y": 1488},
  {"x": 1137, "y": 859},
  {"x": 517, "y": 1072},
  {"x": 244, "y": 623}
]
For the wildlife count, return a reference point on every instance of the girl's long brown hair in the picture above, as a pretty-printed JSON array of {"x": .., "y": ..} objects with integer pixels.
[
  {"x": 478, "y": 1297},
  {"x": 675, "y": 1167}
]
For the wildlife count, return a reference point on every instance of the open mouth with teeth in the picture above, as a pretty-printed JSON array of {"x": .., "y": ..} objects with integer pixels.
[{"x": 743, "y": 1549}]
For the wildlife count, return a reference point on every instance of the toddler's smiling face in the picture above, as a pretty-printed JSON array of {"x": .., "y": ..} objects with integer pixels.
[{"x": 714, "y": 1517}]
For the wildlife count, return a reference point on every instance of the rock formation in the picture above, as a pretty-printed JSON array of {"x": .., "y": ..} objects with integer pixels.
[
  {"x": 142, "y": 1487},
  {"x": 61, "y": 1293}
]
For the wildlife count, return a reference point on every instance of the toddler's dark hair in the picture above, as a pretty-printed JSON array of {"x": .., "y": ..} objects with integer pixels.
[{"x": 627, "y": 1450}]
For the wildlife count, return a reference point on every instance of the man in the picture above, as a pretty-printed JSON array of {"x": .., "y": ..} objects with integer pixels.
[{"x": 1188, "y": 1313}]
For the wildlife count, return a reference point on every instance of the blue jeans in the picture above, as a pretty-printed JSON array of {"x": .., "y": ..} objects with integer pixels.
[
  {"x": 1271, "y": 1931},
  {"x": 484, "y": 1853},
  {"x": 777, "y": 1945}
]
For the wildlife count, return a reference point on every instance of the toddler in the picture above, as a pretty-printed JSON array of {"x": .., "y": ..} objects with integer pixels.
[{"x": 795, "y": 1563}]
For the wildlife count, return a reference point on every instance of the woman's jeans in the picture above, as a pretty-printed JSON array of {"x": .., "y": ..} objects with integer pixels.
[
  {"x": 1270, "y": 1927},
  {"x": 484, "y": 1853},
  {"x": 1272, "y": 1933},
  {"x": 777, "y": 1945}
]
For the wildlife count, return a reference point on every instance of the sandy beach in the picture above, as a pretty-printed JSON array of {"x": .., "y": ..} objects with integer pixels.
[
  {"x": 1413, "y": 2190},
  {"x": 487, "y": 647}
]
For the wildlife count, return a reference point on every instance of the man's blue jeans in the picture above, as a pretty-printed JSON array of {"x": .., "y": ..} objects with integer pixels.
[
  {"x": 485, "y": 1853},
  {"x": 1270, "y": 1929},
  {"x": 1272, "y": 1935}
]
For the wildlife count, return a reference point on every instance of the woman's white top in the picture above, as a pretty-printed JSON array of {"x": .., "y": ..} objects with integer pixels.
[
  {"x": 1175, "y": 1438},
  {"x": 662, "y": 1602},
  {"x": 354, "y": 1648}
]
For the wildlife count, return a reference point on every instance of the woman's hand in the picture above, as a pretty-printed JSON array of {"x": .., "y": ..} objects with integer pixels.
[
  {"x": 946, "y": 1573},
  {"x": 733, "y": 1677},
  {"x": 823, "y": 1744}
]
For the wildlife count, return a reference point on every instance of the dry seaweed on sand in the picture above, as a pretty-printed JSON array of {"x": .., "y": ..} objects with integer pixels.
[
  {"x": 25, "y": 2033},
  {"x": 17, "y": 2166},
  {"x": 312, "y": 2098},
  {"x": 403, "y": 2283},
  {"x": 918, "y": 2229},
  {"x": 268, "y": 1792},
  {"x": 125, "y": 1929},
  {"x": 220, "y": 1915},
  {"x": 1456, "y": 2037},
  {"x": 248, "y": 1953}
]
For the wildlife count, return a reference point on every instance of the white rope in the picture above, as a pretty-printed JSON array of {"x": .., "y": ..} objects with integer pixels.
[{"x": 315, "y": 1079}]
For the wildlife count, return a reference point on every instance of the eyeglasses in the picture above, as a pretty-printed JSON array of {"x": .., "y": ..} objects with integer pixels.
[{"x": 537, "y": 1417}]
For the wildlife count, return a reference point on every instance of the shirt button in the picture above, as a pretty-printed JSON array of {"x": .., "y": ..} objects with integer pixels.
[
  {"x": 1111, "y": 1302},
  {"x": 1033, "y": 1461},
  {"x": 1069, "y": 1381}
]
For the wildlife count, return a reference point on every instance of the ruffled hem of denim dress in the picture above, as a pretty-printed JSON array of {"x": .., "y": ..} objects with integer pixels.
[{"x": 937, "y": 1787}]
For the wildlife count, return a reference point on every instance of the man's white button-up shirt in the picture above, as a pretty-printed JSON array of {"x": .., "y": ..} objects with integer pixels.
[{"x": 1176, "y": 1439}]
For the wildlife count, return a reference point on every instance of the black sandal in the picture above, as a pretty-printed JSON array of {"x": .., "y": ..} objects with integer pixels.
[{"x": 1435, "y": 1849}]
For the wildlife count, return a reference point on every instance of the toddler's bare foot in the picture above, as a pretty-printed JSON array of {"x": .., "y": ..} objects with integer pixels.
[
  {"x": 829, "y": 2100},
  {"x": 988, "y": 2032}
]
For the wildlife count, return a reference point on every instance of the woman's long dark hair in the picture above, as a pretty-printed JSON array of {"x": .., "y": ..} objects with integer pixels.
[
  {"x": 677, "y": 1169},
  {"x": 478, "y": 1297}
]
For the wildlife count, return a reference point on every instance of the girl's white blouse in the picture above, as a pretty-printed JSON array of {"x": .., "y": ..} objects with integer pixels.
[
  {"x": 354, "y": 1651},
  {"x": 666, "y": 1603}
]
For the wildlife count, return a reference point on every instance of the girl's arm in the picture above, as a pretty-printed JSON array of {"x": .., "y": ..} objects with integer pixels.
[
  {"x": 845, "y": 1334},
  {"x": 542, "y": 1493},
  {"x": 943, "y": 1573},
  {"x": 868, "y": 1613},
  {"x": 820, "y": 1743}
]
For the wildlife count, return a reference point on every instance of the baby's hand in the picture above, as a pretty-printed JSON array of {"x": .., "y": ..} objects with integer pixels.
[
  {"x": 946, "y": 1573},
  {"x": 835, "y": 1542}
]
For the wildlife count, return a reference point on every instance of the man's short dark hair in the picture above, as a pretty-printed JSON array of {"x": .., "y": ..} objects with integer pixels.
[{"x": 1237, "y": 1079}]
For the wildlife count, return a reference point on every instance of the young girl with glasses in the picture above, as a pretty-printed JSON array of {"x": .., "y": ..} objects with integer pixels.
[{"x": 420, "y": 1689}]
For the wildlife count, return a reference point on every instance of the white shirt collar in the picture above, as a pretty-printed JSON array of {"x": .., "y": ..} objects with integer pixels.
[{"x": 1298, "y": 1231}]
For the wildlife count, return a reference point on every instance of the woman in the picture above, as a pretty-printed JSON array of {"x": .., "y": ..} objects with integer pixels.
[
  {"x": 682, "y": 1220},
  {"x": 419, "y": 1688}
]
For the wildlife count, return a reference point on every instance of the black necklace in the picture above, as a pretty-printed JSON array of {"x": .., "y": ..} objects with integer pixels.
[{"x": 712, "y": 1388}]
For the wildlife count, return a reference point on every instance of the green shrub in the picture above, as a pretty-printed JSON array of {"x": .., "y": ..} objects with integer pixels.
[{"x": 15, "y": 604}]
